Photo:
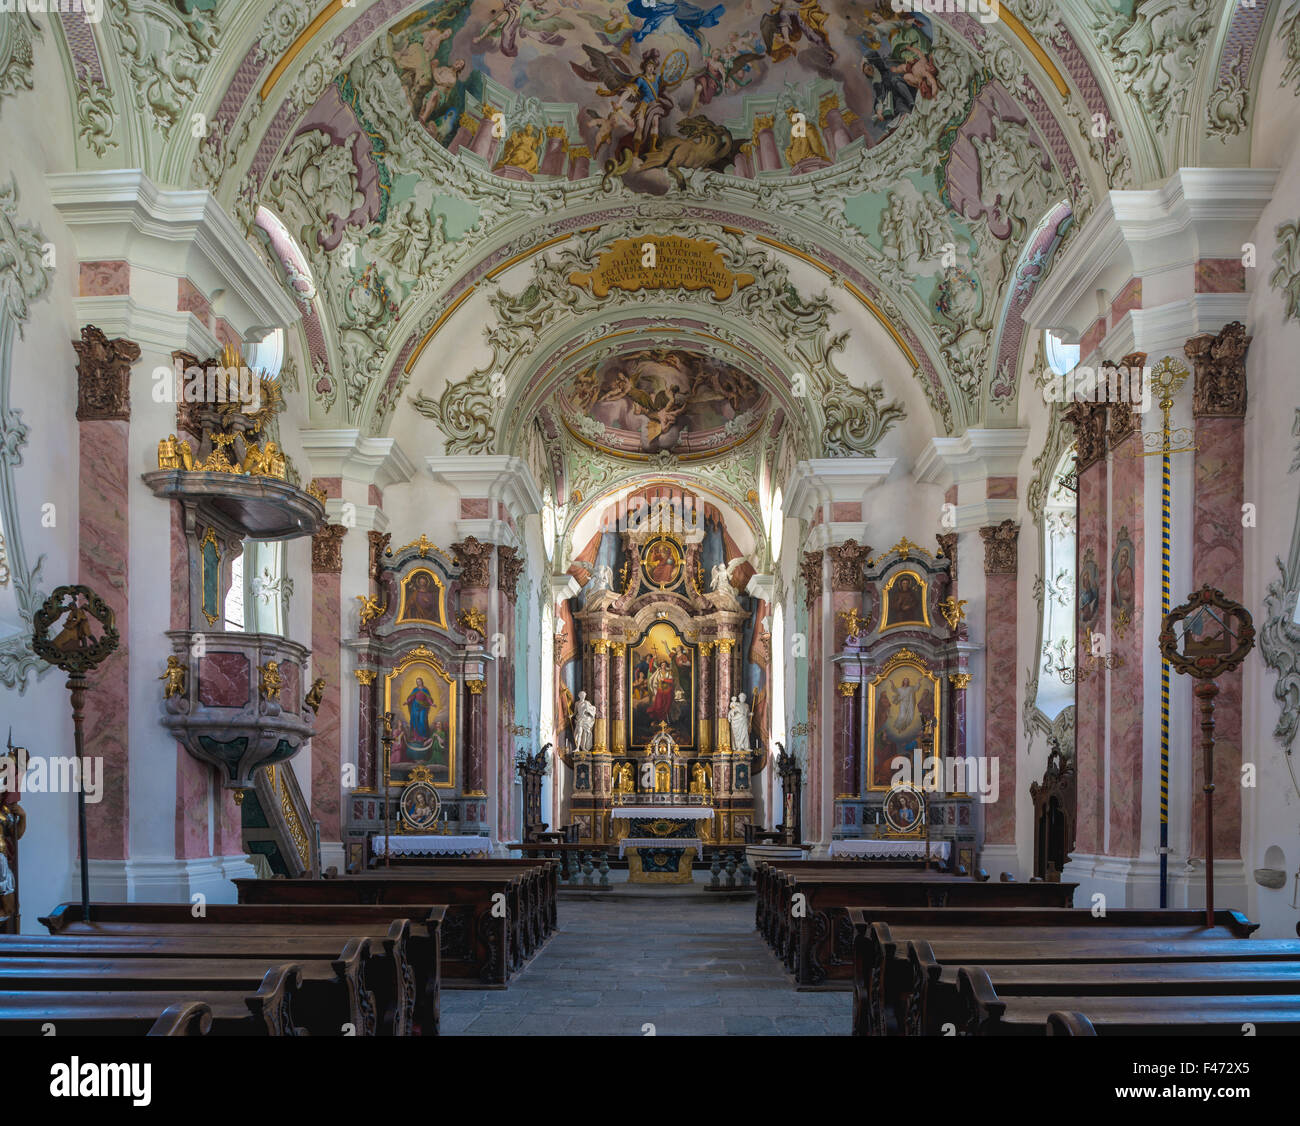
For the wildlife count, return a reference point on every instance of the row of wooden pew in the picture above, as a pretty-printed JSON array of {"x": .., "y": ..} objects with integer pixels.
[
  {"x": 936, "y": 953},
  {"x": 801, "y": 906},
  {"x": 358, "y": 955},
  {"x": 1062, "y": 971}
]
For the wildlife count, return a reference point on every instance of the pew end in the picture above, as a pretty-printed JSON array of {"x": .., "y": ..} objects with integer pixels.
[
  {"x": 192, "y": 1018},
  {"x": 1069, "y": 1024}
]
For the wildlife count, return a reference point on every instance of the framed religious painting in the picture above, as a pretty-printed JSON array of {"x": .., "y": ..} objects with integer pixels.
[
  {"x": 662, "y": 562},
  {"x": 904, "y": 810},
  {"x": 421, "y": 695},
  {"x": 902, "y": 718},
  {"x": 904, "y": 599},
  {"x": 661, "y": 686},
  {"x": 419, "y": 804},
  {"x": 210, "y": 576},
  {"x": 424, "y": 598}
]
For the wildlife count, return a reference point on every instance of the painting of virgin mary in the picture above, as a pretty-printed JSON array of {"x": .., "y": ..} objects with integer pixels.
[{"x": 422, "y": 698}]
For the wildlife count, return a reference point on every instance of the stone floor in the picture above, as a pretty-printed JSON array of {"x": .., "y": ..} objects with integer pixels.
[{"x": 687, "y": 965}]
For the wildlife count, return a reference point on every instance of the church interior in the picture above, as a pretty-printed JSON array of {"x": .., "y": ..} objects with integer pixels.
[{"x": 805, "y": 488}]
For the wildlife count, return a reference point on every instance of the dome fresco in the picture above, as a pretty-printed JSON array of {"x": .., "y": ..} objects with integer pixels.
[
  {"x": 656, "y": 399},
  {"x": 643, "y": 86}
]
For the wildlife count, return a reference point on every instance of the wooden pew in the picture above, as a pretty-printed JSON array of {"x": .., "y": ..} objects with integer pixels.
[
  {"x": 884, "y": 977},
  {"x": 268, "y": 1012},
  {"x": 480, "y": 944},
  {"x": 415, "y": 975},
  {"x": 329, "y": 996},
  {"x": 1198, "y": 1014},
  {"x": 817, "y": 942}
]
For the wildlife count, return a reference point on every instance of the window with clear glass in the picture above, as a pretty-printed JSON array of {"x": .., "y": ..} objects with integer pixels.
[{"x": 1059, "y": 562}]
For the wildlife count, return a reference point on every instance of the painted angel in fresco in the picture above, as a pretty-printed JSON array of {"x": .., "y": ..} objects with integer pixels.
[
  {"x": 723, "y": 72},
  {"x": 518, "y": 19},
  {"x": 655, "y": 13},
  {"x": 788, "y": 22}
]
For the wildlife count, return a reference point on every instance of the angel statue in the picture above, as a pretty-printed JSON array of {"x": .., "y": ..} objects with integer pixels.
[
  {"x": 721, "y": 582},
  {"x": 738, "y": 718},
  {"x": 174, "y": 675},
  {"x": 603, "y": 579},
  {"x": 584, "y": 720}
]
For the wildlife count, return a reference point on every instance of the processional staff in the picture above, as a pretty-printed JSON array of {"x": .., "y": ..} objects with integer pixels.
[
  {"x": 76, "y": 650},
  {"x": 1216, "y": 635}
]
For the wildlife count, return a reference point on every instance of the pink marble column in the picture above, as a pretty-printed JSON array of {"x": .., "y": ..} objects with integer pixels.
[
  {"x": 846, "y": 749},
  {"x": 105, "y": 471},
  {"x": 704, "y": 705},
  {"x": 579, "y": 162},
  {"x": 553, "y": 158},
  {"x": 367, "y": 726},
  {"x": 475, "y": 738},
  {"x": 618, "y": 657},
  {"x": 1000, "y": 543},
  {"x": 1127, "y": 625},
  {"x": 812, "y": 569},
  {"x": 725, "y": 690},
  {"x": 326, "y": 632},
  {"x": 835, "y": 131},
  {"x": 194, "y": 779},
  {"x": 1089, "y": 421},
  {"x": 1219, "y": 410},
  {"x": 768, "y": 156},
  {"x": 484, "y": 144},
  {"x": 600, "y": 687}
]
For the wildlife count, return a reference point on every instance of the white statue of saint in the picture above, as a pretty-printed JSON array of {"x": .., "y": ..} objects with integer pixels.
[
  {"x": 738, "y": 717},
  {"x": 603, "y": 580},
  {"x": 584, "y": 720}
]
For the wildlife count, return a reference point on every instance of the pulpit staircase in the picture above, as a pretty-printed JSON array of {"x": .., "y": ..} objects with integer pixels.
[{"x": 277, "y": 824}]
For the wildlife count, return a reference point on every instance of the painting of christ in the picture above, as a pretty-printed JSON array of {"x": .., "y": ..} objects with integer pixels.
[
  {"x": 661, "y": 563},
  {"x": 661, "y": 686},
  {"x": 902, "y": 708},
  {"x": 422, "y": 699}
]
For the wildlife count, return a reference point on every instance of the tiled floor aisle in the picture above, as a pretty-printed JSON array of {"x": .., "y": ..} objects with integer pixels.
[{"x": 688, "y": 968}]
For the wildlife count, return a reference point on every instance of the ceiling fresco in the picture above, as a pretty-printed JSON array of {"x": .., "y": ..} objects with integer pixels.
[
  {"x": 656, "y": 399},
  {"x": 659, "y": 87},
  {"x": 423, "y": 176}
]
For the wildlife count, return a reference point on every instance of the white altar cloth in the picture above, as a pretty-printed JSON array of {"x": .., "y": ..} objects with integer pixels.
[
  {"x": 893, "y": 850},
  {"x": 430, "y": 844},
  {"x": 680, "y": 812},
  {"x": 660, "y": 842}
]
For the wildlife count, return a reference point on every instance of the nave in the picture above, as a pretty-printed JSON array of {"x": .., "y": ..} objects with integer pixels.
[{"x": 685, "y": 964}]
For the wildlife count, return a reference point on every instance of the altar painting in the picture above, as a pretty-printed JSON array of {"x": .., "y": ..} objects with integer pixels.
[
  {"x": 902, "y": 711},
  {"x": 423, "y": 599},
  {"x": 905, "y": 601},
  {"x": 422, "y": 699},
  {"x": 661, "y": 686}
]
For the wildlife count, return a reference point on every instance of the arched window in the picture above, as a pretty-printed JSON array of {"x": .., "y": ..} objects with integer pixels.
[
  {"x": 258, "y": 601},
  {"x": 1062, "y": 358},
  {"x": 1059, "y": 562}
]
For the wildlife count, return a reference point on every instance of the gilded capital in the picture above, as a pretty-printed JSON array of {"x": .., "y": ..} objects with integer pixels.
[
  {"x": 476, "y": 687},
  {"x": 364, "y": 676},
  {"x": 848, "y": 687}
]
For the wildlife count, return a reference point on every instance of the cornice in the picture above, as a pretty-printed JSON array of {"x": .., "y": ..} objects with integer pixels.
[
  {"x": 825, "y": 480},
  {"x": 347, "y": 453},
  {"x": 159, "y": 330},
  {"x": 974, "y": 456},
  {"x": 122, "y": 214},
  {"x": 499, "y": 477}
]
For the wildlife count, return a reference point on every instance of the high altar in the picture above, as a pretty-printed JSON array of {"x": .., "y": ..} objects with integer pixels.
[{"x": 657, "y": 682}]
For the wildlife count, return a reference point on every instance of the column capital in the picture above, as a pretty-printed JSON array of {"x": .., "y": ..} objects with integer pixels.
[
  {"x": 327, "y": 549},
  {"x": 348, "y": 454},
  {"x": 1000, "y": 544},
  {"x": 1219, "y": 362},
  {"x": 473, "y": 557}
]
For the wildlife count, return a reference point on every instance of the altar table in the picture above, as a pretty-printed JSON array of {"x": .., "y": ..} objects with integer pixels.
[
  {"x": 430, "y": 844},
  {"x": 661, "y": 841},
  {"x": 868, "y": 849}
]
